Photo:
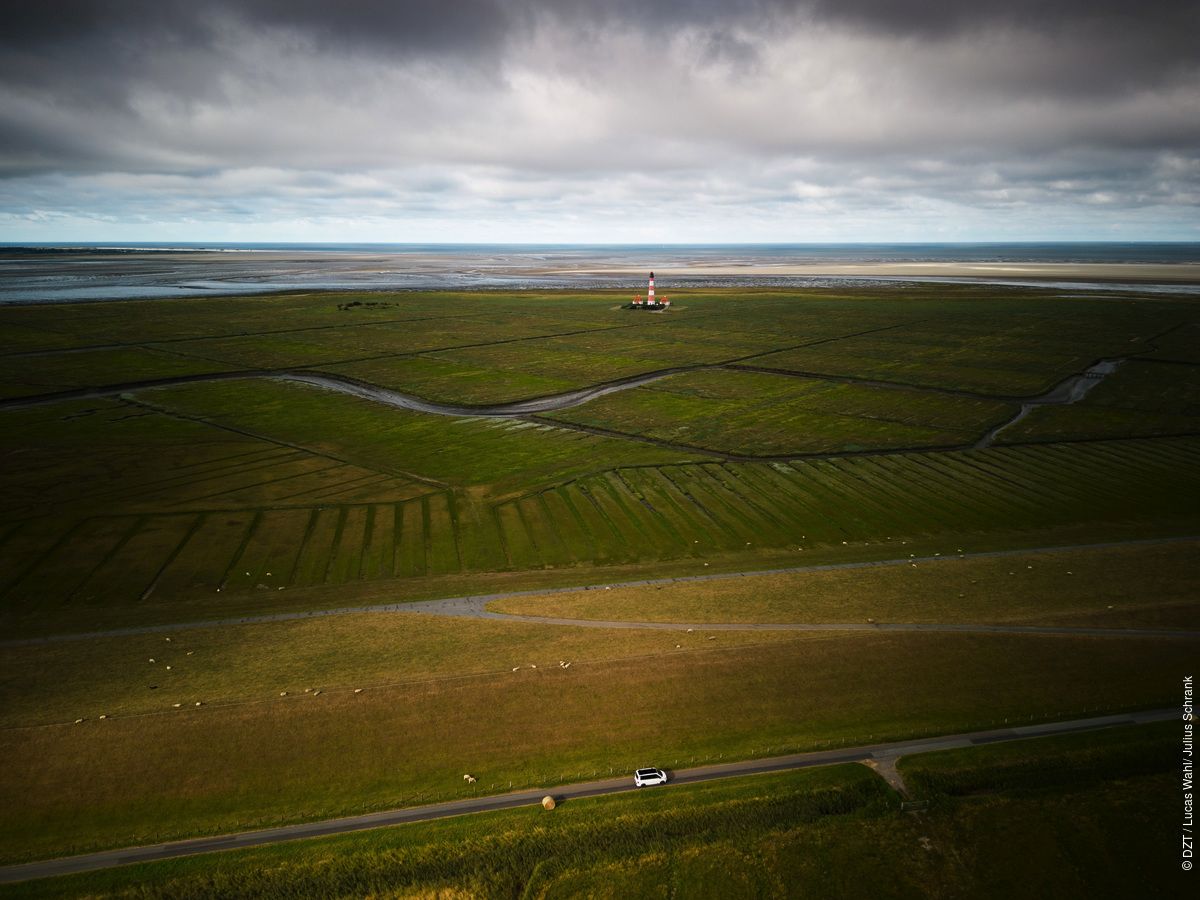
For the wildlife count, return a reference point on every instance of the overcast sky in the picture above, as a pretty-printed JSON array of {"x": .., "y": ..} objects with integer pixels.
[{"x": 683, "y": 121}]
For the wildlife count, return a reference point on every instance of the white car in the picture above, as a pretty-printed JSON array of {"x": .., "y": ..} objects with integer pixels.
[{"x": 649, "y": 777}]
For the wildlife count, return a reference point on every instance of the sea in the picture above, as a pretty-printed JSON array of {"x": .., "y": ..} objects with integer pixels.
[{"x": 68, "y": 272}]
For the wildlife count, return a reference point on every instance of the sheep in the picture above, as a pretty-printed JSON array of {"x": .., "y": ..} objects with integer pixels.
[
  {"x": 283, "y": 693},
  {"x": 152, "y": 659},
  {"x": 104, "y": 716},
  {"x": 469, "y": 779},
  {"x": 168, "y": 640},
  {"x": 690, "y": 630},
  {"x": 358, "y": 690},
  {"x": 198, "y": 703},
  {"x": 516, "y": 668},
  {"x": 177, "y": 705},
  {"x": 566, "y": 665},
  {"x": 316, "y": 692},
  {"x": 78, "y": 721}
]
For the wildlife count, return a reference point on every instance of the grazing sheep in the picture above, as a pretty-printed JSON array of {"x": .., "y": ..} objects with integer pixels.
[
  {"x": 316, "y": 692},
  {"x": 547, "y": 802},
  {"x": 358, "y": 690},
  {"x": 78, "y": 721},
  {"x": 105, "y": 716},
  {"x": 532, "y": 666},
  {"x": 190, "y": 652},
  {"x": 283, "y": 693},
  {"x": 168, "y": 640},
  {"x": 152, "y": 659},
  {"x": 690, "y": 630},
  {"x": 198, "y": 703},
  {"x": 168, "y": 668},
  {"x": 516, "y": 668},
  {"x": 469, "y": 779},
  {"x": 177, "y": 705},
  {"x": 566, "y": 665}
]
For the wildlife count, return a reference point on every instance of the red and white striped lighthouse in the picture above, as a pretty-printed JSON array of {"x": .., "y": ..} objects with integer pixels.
[{"x": 650, "y": 292}]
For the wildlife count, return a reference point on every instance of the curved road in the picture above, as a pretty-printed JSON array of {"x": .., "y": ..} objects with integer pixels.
[{"x": 871, "y": 752}]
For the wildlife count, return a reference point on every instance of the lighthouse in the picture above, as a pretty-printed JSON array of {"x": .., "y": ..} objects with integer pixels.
[{"x": 651, "y": 302}]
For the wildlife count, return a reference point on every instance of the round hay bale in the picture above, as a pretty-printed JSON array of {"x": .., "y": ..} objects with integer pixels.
[{"x": 548, "y": 802}]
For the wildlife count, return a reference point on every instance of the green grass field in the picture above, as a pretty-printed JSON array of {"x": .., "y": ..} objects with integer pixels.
[
  {"x": 1079, "y": 815},
  {"x": 1149, "y": 586},
  {"x": 797, "y": 428},
  {"x": 191, "y": 489},
  {"x": 250, "y": 757}
]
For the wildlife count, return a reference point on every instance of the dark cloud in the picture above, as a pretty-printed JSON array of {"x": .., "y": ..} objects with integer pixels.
[{"x": 429, "y": 105}]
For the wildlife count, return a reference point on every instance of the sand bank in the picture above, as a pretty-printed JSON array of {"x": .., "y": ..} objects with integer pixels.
[{"x": 1176, "y": 273}]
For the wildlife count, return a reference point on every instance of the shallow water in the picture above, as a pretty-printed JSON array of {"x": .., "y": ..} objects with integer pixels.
[{"x": 81, "y": 272}]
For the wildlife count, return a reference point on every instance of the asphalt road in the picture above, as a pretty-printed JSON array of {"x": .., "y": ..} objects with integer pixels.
[{"x": 93, "y": 861}]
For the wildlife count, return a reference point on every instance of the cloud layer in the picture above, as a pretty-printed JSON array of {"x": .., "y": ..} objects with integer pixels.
[{"x": 517, "y": 120}]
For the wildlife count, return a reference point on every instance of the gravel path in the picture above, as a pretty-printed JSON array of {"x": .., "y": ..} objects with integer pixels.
[{"x": 474, "y": 606}]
